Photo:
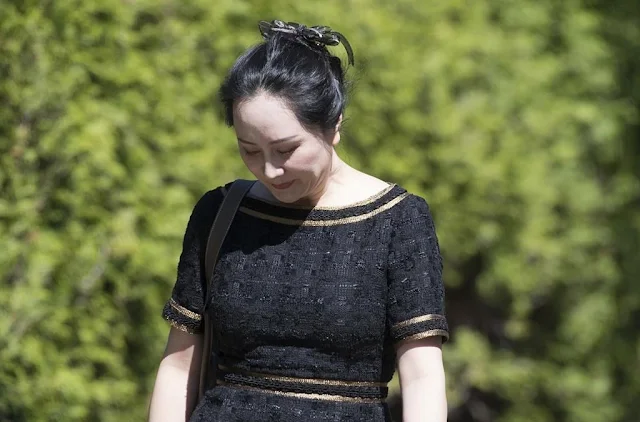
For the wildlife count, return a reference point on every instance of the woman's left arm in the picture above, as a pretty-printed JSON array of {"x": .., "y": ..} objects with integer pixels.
[
  {"x": 422, "y": 380},
  {"x": 416, "y": 311}
]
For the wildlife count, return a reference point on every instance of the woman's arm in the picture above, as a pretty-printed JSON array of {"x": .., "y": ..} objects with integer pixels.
[
  {"x": 175, "y": 392},
  {"x": 422, "y": 381}
]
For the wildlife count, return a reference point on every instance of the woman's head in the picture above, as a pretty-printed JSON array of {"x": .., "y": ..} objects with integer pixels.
[{"x": 288, "y": 87}]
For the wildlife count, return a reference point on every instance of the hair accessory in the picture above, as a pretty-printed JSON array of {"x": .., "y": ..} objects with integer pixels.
[{"x": 319, "y": 36}]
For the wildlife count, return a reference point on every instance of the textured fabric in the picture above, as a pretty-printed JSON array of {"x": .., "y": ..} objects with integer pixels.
[{"x": 323, "y": 293}]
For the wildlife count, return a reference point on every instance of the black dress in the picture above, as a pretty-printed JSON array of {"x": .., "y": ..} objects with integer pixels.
[{"x": 310, "y": 304}]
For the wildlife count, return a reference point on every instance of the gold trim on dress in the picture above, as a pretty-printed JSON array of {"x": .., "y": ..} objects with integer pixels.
[
  {"x": 304, "y": 380},
  {"x": 424, "y": 334},
  {"x": 311, "y": 396},
  {"x": 184, "y": 311},
  {"x": 323, "y": 223},
  {"x": 422, "y": 318},
  {"x": 181, "y": 327}
]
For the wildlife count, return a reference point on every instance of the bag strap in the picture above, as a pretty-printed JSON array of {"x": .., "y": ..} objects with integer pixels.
[{"x": 220, "y": 228}]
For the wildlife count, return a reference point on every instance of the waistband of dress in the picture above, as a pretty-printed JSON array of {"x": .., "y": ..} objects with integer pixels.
[{"x": 310, "y": 388}]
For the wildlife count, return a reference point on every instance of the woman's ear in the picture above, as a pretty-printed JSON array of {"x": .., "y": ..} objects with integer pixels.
[{"x": 336, "y": 136}]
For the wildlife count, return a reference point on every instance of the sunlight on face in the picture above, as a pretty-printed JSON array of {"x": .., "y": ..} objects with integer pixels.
[{"x": 291, "y": 162}]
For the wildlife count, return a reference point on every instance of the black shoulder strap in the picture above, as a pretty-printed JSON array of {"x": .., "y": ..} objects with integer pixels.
[{"x": 220, "y": 227}]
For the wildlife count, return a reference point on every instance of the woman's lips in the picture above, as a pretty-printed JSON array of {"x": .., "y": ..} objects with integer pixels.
[{"x": 283, "y": 185}]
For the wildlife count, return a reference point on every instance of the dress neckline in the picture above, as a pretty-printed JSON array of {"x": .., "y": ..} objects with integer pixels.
[{"x": 359, "y": 211}]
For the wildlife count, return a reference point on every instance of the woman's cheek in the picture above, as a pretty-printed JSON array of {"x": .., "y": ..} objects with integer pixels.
[
  {"x": 304, "y": 162},
  {"x": 253, "y": 166}
]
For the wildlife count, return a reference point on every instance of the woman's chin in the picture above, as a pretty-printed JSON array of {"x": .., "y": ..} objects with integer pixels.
[{"x": 289, "y": 197}]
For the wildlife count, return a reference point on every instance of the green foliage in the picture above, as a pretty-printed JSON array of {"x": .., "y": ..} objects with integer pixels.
[{"x": 515, "y": 119}]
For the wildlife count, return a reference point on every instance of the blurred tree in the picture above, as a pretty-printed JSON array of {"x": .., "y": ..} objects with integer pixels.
[
  {"x": 621, "y": 27},
  {"x": 508, "y": 116},
  {"x": 108, "y": 137}
]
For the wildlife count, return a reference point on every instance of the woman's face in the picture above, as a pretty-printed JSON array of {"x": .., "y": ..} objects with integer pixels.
[{"x": 293, "y": 163}]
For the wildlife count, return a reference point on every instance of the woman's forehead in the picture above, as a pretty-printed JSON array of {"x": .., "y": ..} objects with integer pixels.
[{"x": 267, "y": 118}]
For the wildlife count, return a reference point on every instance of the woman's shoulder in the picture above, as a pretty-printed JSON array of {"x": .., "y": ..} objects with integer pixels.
[
  {"x": 211, "y": 198},
  {"x": 206, "y": 207},
  {"x": 412, "y": 207},
  {"x": 405, "y": 200},
  {"x": 210, "y": 201}
]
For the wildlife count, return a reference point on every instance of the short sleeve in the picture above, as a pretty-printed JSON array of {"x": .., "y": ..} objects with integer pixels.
[
  {"x": 184, "y": 307},
  {"x": 416, "y": 290}
]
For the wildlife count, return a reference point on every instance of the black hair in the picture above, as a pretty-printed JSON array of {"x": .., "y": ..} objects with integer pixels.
[{"x": 300, "y": 72}]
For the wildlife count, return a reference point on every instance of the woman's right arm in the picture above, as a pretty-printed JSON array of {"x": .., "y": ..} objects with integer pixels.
[{"x": 175, "y": 392}]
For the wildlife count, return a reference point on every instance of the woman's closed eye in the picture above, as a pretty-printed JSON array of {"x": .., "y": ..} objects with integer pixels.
[
  {"x": 287, "y": 151},
  {"x": 251, "y": 153},
  {"x": 283, "y": 151}
]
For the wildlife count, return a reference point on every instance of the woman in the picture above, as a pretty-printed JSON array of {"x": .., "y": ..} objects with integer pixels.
[{"x": 328, "y": 277}]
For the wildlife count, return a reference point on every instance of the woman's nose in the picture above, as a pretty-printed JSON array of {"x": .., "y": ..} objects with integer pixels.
[{"x": 271, "y": 171}]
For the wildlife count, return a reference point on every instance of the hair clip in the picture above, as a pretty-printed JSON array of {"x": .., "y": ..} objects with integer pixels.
[{"x": 314, "y": 35}]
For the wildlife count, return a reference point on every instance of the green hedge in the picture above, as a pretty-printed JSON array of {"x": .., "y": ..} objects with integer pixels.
[{"x": 508, "y": 116}]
